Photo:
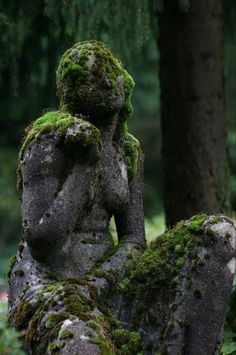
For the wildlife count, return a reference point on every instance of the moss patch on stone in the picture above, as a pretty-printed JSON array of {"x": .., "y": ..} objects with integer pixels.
[
  {"x": 54, "y": 120},
  {"x": 132, "y": 151},
  {"x": 85, "y": 75},
  {"x": 127, "y": 342},
  {"x": 65, "y": 333},
  {"x": 161, "y": 264},
  {"x": 44, "y": 321},
  {"x": 196, "y": 222},
  {"x": 112, "y": 339},
  {"x": 12, "y": 262},
  {"x": 22, "y": 314},
  {"x": 76, "y": 129}
]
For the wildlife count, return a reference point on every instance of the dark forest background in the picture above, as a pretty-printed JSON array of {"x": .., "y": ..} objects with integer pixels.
[{"x": 34, "y": 34}]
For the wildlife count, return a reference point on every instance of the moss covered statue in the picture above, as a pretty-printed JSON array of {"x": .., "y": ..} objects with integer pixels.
[{"x": 72, "y": 288}]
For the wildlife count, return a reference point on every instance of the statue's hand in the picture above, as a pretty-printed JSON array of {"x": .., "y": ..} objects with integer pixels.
[
  {"x": 82, "y": 131},
  {"x": 84, "y": 138}
]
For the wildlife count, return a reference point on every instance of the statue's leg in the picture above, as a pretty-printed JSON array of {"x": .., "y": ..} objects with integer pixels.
[
  {"x": 55, "y": 315},
  {"x": 204, "y": 292},
  {"x": 177, "y": 293}
]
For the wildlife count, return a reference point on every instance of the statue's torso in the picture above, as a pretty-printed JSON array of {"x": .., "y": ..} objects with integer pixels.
[{"x": 106, "y": 193}]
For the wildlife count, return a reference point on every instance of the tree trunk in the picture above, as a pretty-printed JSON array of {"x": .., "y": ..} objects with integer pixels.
[{"x": 193, "y": 119}]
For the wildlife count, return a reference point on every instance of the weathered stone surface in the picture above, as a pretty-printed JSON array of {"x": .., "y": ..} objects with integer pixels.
[
  {"x": 78, "y": 168},
  {"x": 177, "y": 292},
  {"x": 71, "y": 288}
]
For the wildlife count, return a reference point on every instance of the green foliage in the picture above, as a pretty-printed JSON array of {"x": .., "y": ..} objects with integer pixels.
[
  {"x": 154, "y": 227},
  {"x": 3, "y": 309},
  {"x": 10, "y": 343},
  {"x": 229, "y": 345},
  {"x": 9, "y": 204},
  {"x": 184, "y": 5}
]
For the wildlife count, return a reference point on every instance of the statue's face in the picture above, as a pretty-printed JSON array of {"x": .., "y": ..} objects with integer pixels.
[{"x": 91, "y": 81}]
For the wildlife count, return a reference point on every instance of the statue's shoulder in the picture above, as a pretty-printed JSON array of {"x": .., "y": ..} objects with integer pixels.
[
  {"x": 133, "y": 153},
  {"x": 64, "y": 125}
]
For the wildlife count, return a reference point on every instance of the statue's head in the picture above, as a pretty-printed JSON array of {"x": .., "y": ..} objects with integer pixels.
[{"x": 91, "y": 81}]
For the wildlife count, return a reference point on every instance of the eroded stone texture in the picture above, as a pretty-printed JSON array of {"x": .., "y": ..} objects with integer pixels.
[
  {"x": 78, "y": 167},
  {"x": 71, "y": 288},
  {"x": 177, "y": 292}
]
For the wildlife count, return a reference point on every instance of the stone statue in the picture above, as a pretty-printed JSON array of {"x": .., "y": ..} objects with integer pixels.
[{"x": 72, "y": 288}]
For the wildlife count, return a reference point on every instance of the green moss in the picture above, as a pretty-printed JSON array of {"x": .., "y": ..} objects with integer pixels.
[
  {"x": 180, "y": 262},
  {"x": 51, "y": 287},
  {"x": 65, "y": 333},
  {"x": 84, "y": 71},
  {"x": 22, "y": 315},
  {"x": 130, "y": 256},
  {"x": 127, "y": 109},
  {"x": 132, "y": 151},
  {"x": 195, "y": 223},
  {"x": 12, "y": 262},
  {"x": 44, "y": 324},
  {"x": 85, "y": 133},
  {"x": 61, "y": 121},
  {"x": 55, "y": 319},
  {"x": 44, "y": 330},
  {"x": 19, "y": 173},
  {"x": 126, "y": 341},
  {"x": 98, "y": 330},
  {"x": 54, "y": 347},
  {"x": 48, "y": 122},
  {"x": 211, "y": 234},
  {"x": 112, "y": 339},
  {"x": 160, "y": 265},
  {"x": 110, "y": 275},
  {"x": 162, "y": 262},
  {"x": 105, "y": 345},
  {"x": 178, "y": 249}
]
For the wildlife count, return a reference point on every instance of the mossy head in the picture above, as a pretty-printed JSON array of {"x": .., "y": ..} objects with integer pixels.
[{"x": 91, "y": 81}]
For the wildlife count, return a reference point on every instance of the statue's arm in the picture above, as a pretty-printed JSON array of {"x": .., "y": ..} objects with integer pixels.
[
  {"x": 130, "y": 220},
  {"x": 131, "y": 234},
  {"x": 55, "y": 191}
]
